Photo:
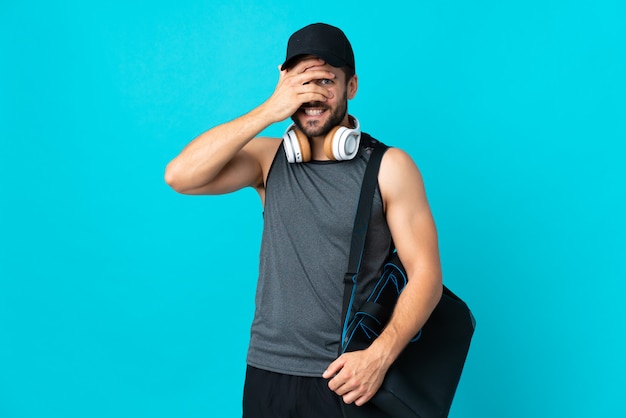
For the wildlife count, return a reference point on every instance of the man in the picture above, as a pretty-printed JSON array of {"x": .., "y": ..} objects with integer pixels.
[{"x": 293, "y": 368}]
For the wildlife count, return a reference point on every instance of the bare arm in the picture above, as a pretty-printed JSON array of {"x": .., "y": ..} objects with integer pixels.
[
  {"x": 414, "y": 233},
  {"x": 223, "y": 159},
  {"x": 357, "y": 376},
  {"x": 229, "y": 157}
]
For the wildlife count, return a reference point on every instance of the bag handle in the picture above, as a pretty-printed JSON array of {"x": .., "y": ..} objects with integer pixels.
[{"x": 359, "y": 232}]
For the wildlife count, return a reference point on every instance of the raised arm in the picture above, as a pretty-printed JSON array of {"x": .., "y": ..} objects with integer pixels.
[{"x": 229, "y": 157}]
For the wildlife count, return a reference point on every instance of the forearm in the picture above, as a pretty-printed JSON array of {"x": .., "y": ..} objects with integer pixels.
[
  {"x": 415, "y": 304},
  {"x": 204, "y": 157}
]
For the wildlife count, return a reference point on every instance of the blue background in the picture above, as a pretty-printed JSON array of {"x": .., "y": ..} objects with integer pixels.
[{"x": 121, "y": 298}]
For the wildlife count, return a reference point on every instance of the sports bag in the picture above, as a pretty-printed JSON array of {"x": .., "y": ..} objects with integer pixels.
[{"x": 422, "y": 381}]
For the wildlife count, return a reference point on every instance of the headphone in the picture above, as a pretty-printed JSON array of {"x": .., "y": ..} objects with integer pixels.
[{"x": 340, "y": 144}]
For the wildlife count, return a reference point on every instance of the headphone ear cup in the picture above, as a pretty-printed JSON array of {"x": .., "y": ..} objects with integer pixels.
[
  {"x": 343, "y": 144},
  {"x": 305, "y": 146},
  {"x": 296, "y": 146},
  {"x": 347, "y": 143},
  {"x": 288, "y": 147},
  {"x": 329, "y": 142}
]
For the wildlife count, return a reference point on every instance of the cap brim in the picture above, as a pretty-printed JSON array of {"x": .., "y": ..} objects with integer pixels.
[{"x": 327, "y": 58}]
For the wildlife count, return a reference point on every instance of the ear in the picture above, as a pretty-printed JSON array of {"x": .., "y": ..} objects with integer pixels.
[{"x": 353, "y": 86}]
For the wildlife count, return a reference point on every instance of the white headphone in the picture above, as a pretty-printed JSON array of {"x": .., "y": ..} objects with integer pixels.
[{"x": 340, "y": 144}]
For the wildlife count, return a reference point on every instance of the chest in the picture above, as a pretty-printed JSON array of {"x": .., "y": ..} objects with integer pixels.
[{"x": 314, "y": 197}]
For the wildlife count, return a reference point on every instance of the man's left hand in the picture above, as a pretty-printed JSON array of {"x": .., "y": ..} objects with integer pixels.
[{"x": 357, "y": 376}]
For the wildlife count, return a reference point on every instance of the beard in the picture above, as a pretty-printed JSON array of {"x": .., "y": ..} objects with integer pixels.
[{"x": 313, "y": 128}]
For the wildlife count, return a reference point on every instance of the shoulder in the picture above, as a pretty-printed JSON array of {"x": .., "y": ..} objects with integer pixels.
[
  {"x": 399, "y": 174},
  {"x": 395, "y": 155},
  {"x": 397, "y": 165}
]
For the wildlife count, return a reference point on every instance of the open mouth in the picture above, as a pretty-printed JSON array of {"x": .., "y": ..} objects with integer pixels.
[{"x": 313, "y": 111}]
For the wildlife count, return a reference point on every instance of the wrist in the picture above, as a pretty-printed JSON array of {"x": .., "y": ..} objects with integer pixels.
[
  {"x": 384, "y": 351},
  {"x": 260, "y": 117}
]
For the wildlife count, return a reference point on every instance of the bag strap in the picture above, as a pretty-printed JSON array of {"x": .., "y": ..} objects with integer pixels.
[{"x": 359, "y": 232}]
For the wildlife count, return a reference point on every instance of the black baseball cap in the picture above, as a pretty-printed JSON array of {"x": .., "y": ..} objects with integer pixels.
[{"x": 324, "y": 41}]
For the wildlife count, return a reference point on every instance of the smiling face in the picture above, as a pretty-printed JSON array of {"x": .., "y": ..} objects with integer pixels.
[{"x": 316, "y": 119}]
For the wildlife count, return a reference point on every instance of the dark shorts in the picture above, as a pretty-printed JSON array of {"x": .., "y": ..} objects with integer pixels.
[{"x": 275, "y": 395}]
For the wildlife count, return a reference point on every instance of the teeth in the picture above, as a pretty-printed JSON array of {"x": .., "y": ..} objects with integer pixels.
[{"x": 313, "y": 112}]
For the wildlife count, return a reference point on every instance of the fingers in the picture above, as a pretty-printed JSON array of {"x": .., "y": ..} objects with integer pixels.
[
  {"x": 349, "y": 390},
  {"x": 312, "y": 93},
  {"x": 296, "y": 87},
  {"x": 300, "y": 89},
  {"x": 341, "y": 382},
  {"x": 333, "y": 368},
  {"x": 305, "y": 64},
  {"x": 340, "y": 378},
  {"x": 307, "y": 70},
  {"x": 308, "y": 76},
  {"x": 353, "y": 377},
  {"x": 301, "y": 66}
]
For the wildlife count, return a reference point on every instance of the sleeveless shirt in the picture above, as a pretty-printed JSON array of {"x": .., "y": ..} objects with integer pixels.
[{"x": 308, "y": 217}]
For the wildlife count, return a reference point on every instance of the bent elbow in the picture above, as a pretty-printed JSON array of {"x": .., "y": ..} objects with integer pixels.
[{"x": 172, "y": 178}]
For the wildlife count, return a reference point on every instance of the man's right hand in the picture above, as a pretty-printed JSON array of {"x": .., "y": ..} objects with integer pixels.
[{"x": 295, "y": 88}]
